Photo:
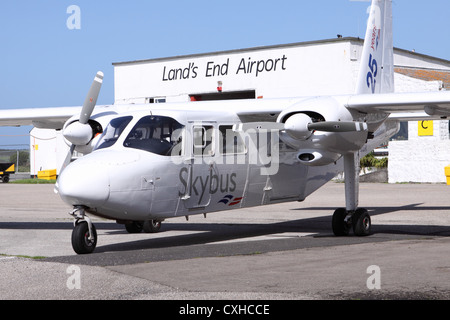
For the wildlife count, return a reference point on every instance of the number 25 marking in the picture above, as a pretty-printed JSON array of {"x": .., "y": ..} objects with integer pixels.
[{"x": 372, "y": 74}]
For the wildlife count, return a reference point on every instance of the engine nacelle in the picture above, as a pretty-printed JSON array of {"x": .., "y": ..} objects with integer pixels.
[
  {"x": 317, "y": 157},
  {"x": 313, "y": 127}
]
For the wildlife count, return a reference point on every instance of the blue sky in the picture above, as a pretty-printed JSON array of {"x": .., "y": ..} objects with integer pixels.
[{"x": 45, "y": 64}]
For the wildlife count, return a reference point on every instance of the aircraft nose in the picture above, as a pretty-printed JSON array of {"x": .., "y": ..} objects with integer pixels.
[{"x": 84, "y": 183}]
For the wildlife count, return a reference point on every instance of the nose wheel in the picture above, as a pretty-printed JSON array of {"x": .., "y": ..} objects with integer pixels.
[
  {"x": 83, "y": 240},
  {"x": 84, "y": 234}
]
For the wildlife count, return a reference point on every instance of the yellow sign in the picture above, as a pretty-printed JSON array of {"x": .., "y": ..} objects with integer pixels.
[{"x": 425, "y": 128}]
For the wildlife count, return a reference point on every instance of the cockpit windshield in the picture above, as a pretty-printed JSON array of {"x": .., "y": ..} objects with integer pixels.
[
  {"x": 156, "y": 134},
  {"x": 113, "y": 131}
]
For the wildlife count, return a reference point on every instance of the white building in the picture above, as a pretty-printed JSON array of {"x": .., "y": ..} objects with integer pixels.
[{"x": 326, "y": 67}]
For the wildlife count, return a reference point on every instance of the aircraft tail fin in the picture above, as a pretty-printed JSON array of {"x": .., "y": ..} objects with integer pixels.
[{"x": 376, "y": 74}]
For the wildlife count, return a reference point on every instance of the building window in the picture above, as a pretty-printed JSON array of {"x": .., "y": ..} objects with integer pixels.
[
  {"x": 231, "y": 95},
  {"x": 155, "y": 100}
]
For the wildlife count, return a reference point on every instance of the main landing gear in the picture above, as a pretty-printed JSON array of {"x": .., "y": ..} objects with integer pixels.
[
  {"x": 359, "y": 221},
  {"x": 351, "y": 217},
  {"x": 148, "y": 226}
]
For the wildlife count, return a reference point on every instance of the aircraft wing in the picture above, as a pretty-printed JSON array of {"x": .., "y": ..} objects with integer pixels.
[
  {"x": 404, "y": 106},
  {"x": 46, "y": 118},
  {"x": 400, "y": 106}
]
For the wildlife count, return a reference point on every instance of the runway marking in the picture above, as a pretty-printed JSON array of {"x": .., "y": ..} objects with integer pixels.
[{"x": 275, "y": 236}]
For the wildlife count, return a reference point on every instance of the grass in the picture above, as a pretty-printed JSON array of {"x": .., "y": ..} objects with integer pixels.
[{"x": 33, "y": 181}]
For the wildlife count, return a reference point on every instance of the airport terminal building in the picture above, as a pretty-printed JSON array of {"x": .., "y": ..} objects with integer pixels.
[{"x": 325, "y": 67}]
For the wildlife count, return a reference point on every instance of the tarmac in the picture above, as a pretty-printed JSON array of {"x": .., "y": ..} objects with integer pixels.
[{"x": 277, "y": 252}]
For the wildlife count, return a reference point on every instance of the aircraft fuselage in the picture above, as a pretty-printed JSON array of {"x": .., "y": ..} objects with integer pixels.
[{"x": 129, "y": 183}]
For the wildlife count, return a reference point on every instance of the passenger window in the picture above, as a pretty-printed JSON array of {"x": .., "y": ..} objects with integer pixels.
[
  {"x": 203, "y": 140},
  {"x": 230, "y": 141}
]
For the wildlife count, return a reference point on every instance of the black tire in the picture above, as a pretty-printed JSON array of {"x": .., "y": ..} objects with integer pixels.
[
  {"x": 362, "y": 225},
  {"x": 152, "y": 226},
  {"x": 5, "y": 179},
  {"x": 134, "y": 227},
  {"x": 80, "y": 238},
  {"x": 340, "y": 227}
]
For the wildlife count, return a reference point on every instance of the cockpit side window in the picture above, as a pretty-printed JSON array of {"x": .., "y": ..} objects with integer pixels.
[
  {"x": 156, "y": 134},
  {"x": 113, "y": 131}
]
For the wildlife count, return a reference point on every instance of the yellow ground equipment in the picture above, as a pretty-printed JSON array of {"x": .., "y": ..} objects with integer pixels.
[
  {"x": 47, "y": 174},
  {"x": 5, "y": 170}
]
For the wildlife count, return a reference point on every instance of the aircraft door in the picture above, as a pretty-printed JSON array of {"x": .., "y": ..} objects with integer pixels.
[{"x": 200, "y": 166}]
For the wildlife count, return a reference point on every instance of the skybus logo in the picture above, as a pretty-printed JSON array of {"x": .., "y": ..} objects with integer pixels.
[{"x": 255, "y": 147}]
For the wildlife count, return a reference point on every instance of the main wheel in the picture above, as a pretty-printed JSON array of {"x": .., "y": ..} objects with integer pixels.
[
  {"x": 134, "y": 227},
  {"x": 340, "y": 227},
  {"x": 362, "y": 225},
  {"x": 80, "y": 238},
  {"x": 152, "y": 226}
]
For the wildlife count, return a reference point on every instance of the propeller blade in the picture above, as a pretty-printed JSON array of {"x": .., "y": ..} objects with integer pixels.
[
  {"x": 68, "y": 158},
  {"x": 91, "y": 98},
  {"x": 338, "y": 126},
  {"x": 65, "y": 164}
]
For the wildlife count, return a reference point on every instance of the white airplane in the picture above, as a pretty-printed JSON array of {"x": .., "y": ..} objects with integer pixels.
[{"x": 145, "y": 163}]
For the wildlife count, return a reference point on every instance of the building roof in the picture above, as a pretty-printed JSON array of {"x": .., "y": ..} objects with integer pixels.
[
  {"x": 426, "y": 74},
  {"x": 289, "y": 45}
]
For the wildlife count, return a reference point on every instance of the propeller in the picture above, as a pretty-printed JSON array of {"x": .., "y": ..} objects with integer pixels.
[{"x": 80, "y": 132}]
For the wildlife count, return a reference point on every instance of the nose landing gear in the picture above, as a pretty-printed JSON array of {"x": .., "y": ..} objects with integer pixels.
[{"x": 84, "y": 234}]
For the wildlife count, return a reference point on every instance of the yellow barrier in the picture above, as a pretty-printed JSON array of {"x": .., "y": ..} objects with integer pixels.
[
  {"x": 447, "y": 174},
  {"x": 47, "y": 174}
]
